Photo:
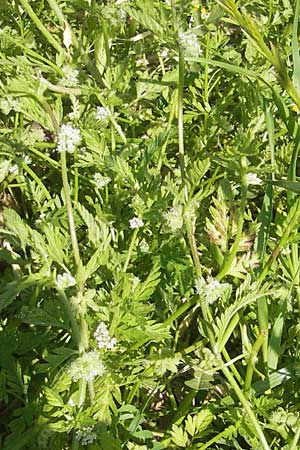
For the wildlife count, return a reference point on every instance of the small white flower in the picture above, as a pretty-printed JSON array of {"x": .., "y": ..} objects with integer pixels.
[
  {"x": 86, "y": 435},
  {"x": 27, "y": 160},
  {"x": 174, "y": 218},
  {"x": 65, "y": 280},
  {"x": 190, "y": 43},
  {"x": 68, "y": 138},
  {"x": 252, "y": 178},
  {"x": 14, "y": 169},
  {"x": 142, "y": 62},
  {"x": 210, "y": 290},
  {"x": 103, "y": 338},
  {"x": 164, "y": 52},
  {"x": 122, "y": 14},
  {"x": 136, "y": 222},
  {"x": 102, "y": 113},
  {"x": 204, "y": 13},
  {"x": 100, "y": 180},
  {"x": 86, "y": 367},
  {"x": 70, "y": 78}
]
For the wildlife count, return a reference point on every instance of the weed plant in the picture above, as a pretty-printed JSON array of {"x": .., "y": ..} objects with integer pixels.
[{"x": 149, "y": 288}]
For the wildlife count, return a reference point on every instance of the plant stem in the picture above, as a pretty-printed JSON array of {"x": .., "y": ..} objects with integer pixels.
[
  {"x": 292, "y": 219},
  {"x": 76, "y": 335},
  {"x": 41, "y": 27},
  {"x": 69, "y": 208},
  {"x": 228, "y": 261},
  {"x": 193, "y": 246},
  {"x": 180, "y": 119},
  {"x": 294, "y": 444},
  {"x": 131, "y": 247},
  {"x": 36, "y": 179},
  {"x": 230, "y": 430},
  {"x": 247, "y": 407},
  {"x": 76, "y": 178},
  {"x": 251, "y": 363}
]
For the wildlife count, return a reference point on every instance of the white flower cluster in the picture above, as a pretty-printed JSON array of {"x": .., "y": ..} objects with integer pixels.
[
  {"x": 65, "y": 280},
  {"x": 70, "y": 78},
  {"x": 100, "y": 180},
  {"x": 102, "y": 113},
  {"x": 68, "y": 138},
  {"x": 103, "y": 338},
  {"x": 190, "y": 43},
  {"x": 27, "y": 160},
  {"x": 136, "y": 222},
  {"x": 86, "y": 367},
  {"x": 210, "y": 290},
  {"x": 14, "y": 169},
  {"x": 174, "y": 218},
  {"x": 86, "y": 435},
  {"x": 252, "y": 178}
]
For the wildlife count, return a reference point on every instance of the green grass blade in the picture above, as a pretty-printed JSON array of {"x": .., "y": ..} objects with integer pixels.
[
  {"x": 295, "y": 48},
  {"x": 293, "y": 186}
]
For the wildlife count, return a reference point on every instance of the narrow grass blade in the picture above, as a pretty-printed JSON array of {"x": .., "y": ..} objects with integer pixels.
[
  {"x": 293, "y": 186},
  {"x": 295, "y": 48}
]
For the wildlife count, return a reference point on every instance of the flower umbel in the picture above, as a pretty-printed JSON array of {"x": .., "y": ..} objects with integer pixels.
[
  {"x": 70, "y": 78},
  {"x": 102, "y": 113},
  {"x": 103, "y": 338},
  {"x": 174, "y": 218},
  {"x": 68, "y": 138},
  {"x": 136, "y": 222},
  {"x": 86, "y": 367},
  {"x": 86, "y": 435},
  {"x": 100, "y": 180},
  {"x": 65, "y": 280},
  {"x": 210, "y": 290},
  {"x": 252, "y": 178},
  {"x": 189, "y": 42}
]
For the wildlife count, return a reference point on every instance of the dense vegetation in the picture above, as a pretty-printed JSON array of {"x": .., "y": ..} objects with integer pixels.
[{"x": 149, "y": 288}]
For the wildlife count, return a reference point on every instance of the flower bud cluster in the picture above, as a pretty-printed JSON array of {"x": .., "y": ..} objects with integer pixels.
[
  {"x": 210, "y": 290},
  {"x": 104, "y": 341},
  {"x": 86, "y": 435}
]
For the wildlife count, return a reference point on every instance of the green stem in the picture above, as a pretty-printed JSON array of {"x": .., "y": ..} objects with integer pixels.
[
  {"x": 183, "y": 308},
  {"x": 82, "y": 392},
  {"x": 169, "y": 127},
  {"x": 232, "y": 366},
  {"x": 251, "y": 363},
  {"x": 76, "y": 335},
  {"x": 228, "y": 261},
  {"x": 193, "y": 246},
  {"x": 294, "y": 444},
  {"x": 180, "y": 115},
  {"x": 131, "y": 247},
  {"x": 292, "y": 219},
  {"x": 228, "y": 432},
  {"x": 36, "y": 179},
  {"x": 76, "y": 178},
  {"x": 27, "y": 8},
  {"x": 247, "y": 407},
  {"x": 68, "y": 201}
]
